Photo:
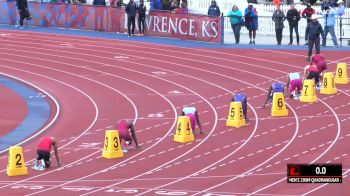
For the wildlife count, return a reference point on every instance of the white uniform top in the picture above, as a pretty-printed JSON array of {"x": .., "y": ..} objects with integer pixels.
[
  {"x": 189, "y": 110},
  {"x": 294, "y": 76}
]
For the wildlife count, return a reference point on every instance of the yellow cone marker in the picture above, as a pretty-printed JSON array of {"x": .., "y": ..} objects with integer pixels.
[
  {"x": 235, "y": 116},
  {"x": 341, "y": 75},
  {"x": 328, "y": 85},
  {"x": 183, "y": 133},
  {"x": 308, "y": 93},
  {"x": 279, "y": 107},
  {"x": 15, "y": 165},
  {"x": 112, "y": 148}
]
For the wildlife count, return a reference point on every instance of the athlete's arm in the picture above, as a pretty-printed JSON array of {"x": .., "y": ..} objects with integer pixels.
[
  {"x": 268, "y": 96},
  {"x": 133, "y": 135},
  {"x": 198, "y": 122},
  {"x": 287, "y": 85},
  {"x": 56, "y": 150}
]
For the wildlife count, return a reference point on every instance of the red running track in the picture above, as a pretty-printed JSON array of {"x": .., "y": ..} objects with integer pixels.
[
  {"x": 13, "y": 110},
  {"x": 99, "y": 81}
]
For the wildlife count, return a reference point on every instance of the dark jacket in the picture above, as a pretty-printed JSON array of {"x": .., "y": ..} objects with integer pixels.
[
  {"x": 293, "y": 16},
  {"x": 130, "y": 9},
  {"x": 278, "y": 17},
  {"x": 99, "y": 2},
  {"x": 315, "y": 30},
  {"x": 214, "y": 10},
  {"x": 21, "y": 4},
  {"x": 142, "y": 10}
]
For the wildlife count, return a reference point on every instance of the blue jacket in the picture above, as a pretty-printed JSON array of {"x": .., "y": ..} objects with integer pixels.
[
  {"x": 315, "y": 30},
  {"x": 329, "y": 17},
  {"x": 130, "y": 9},
  {"x": 251, "y": 19},
  {"x": 341, "y": 10},
  {"x": 214, "y": 10}
]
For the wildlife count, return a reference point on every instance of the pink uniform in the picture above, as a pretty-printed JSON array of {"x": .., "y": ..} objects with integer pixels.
[
  {"x": 192, "y": 120},
  {"x": 320, "y": 62},
  {"x": 123, "y": 130},
  {"x": 45, "y": 144}
]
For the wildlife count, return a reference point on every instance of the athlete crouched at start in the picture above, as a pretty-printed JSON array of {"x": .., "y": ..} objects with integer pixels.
[
  {"x": 274, "y": 88},
  {"x": 294, "y": 85},
  {"x": 240, "y": 97},
  {"x": 127, "y": 134},
  {"x": 43, "y": 153},
  {"x": 192, "y": 113}
]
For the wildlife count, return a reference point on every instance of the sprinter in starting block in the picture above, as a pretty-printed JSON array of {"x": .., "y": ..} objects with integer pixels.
[
  {"x": 123, "y": 128},
  {"x": 43, "y": 153},
  {"x": 192, "y": 113},
  {"x": 274, "y": 88},
  {"x": 294, "y": 85},
  {"x": 240, "y": 97}
]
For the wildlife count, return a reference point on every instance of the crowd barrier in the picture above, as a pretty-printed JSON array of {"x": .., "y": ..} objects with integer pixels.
[{"x": 114, "y": 19}]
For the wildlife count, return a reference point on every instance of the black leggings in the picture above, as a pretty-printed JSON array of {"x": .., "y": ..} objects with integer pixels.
[
  {"x": 141, "y": 23},
  {"x": 42, "y": 154},
  {"x": 314, "y": 75}
]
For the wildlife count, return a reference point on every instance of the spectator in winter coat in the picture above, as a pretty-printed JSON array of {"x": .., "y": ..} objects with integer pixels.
[
  {"x": 214, "y": 10},
  {"x": 293, "y": 18},
  {"x": 278, "y": 17},
  {"x": 251, "y": 22},
  {"x": 142, "y": 17},
  {"x": 130, "y": 10},
  {"x": 235, "y": 19}
]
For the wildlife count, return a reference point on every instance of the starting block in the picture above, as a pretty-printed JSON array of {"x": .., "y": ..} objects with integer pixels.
[
  {"x": 112, "y": 148},
  {"x": 341, "y": 76},
  {"x": 15, "y": 165},
  {"x": 328, "y": 86},
  {"x": 235, "y": 116},
  {"x": 279, "y": 107},
  {"x": 308, "y": 93},
  {"x": 183, "y": 133}
]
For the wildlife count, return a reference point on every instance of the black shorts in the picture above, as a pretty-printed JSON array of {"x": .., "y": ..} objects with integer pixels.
[{"x": 42, "y": 154}]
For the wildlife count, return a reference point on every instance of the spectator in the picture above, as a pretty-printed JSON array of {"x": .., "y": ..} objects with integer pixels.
[
  {"x": 22, "y": 6},
  {"x": 156, "y": 4},
  {"x": 252, "y": 1},
  {"x": 214, "y": 10},
  {"x": 278, "y": 17},
  {"x": 99, "y": 2},
  {"x": 341, "y": 8},
  {"x": 314, "y": 30},
  {"x": 174, "y": 5},
  {"x": 130, "y": 10},
  {"x": 251, "y": 22},
  {"x": 307, "y": 13},
  {"x": 236, "y": 21},
  {"x": 183, "y": 8},
  {"x": 142, "y": 17},
  {"x": 329, "y": 14},
  {"x": 325, "y": 3},
  {"x": 293, "y": 18}
]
